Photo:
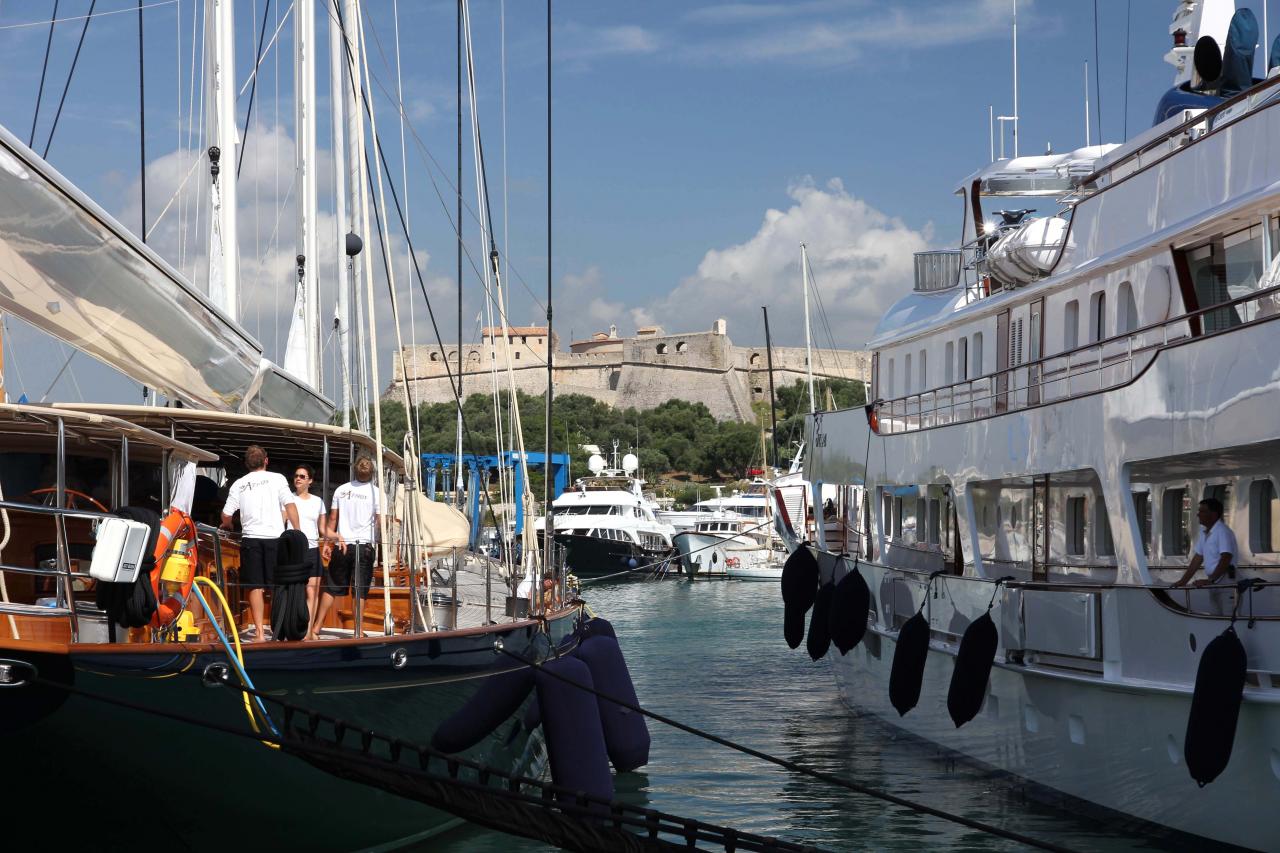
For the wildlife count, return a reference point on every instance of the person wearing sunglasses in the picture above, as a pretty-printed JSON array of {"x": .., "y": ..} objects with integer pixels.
[{"x": 311, "y": 520}]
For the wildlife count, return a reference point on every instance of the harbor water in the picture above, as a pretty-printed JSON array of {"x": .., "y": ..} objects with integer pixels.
[{"x": 711, "y": 654}]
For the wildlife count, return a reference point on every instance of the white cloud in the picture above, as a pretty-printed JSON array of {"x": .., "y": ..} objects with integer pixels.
[
  {"x": 579, "y": 44},
  {"x": 861, "y": 260}
]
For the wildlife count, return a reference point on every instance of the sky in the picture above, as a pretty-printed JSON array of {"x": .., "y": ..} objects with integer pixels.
[{"x": 695, "y": 146}]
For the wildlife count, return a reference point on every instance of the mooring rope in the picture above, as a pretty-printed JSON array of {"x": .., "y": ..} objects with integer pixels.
[
  {"x": 786, "y": 764},
  {"x": 586, "y": 823}
]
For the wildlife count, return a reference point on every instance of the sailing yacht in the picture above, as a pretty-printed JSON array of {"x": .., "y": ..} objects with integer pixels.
[
  {"x": 1052, "y": 401},
  {"x": 113, "y": 670}
]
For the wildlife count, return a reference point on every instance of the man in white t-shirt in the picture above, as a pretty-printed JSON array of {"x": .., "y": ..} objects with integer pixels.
[
  {"x": 353, "y": 524},
  {"x": 1215, "y": 552},
  {"x": 263, "y": 500}
]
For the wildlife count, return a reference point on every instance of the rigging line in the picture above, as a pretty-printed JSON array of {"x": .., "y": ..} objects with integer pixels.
[
  {"x": 68, "y": 19},
  {"x": 271, "y": 42},
  {"x": 794, "y": 767},
  {"x": 429, "y": 160},
  {"x": 359, "y": 96},
  {"x": 253, "y": 87},
  {"x": 44, "y": 69},
  {"x": 1128, "y": 22},
  {"x": 413, "y": 414},
  {"x": 195, "y": 162},
  {"x": 1097, "y": 71},
  {"x": 67, "y": 86},
  {"x": 142, "y": 120}
]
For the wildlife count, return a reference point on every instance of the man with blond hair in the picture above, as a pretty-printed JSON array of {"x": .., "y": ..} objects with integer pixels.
[
  {"x": 353, "y": 522},
  {"x": 263, "y": 500}
]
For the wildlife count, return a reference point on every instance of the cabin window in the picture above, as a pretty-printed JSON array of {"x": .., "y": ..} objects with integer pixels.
[
  {"x": 948, "y": 363},
  {"x": 1104, "y": 545},
  {"x": 910, "y": 521},
  {"x": 1126, "y": 309},
  {"x": 977, "y": 355},
  {"x": 1142, "y": 511},
  {"x": 924, "y": 372},
  {"x": 906, "y": 371},
  {"x": 1229, "y": 267},
  {"x": 1175, "y": 514},
  {"x": 891, "y": 390},
  {"x": 935, "y": 512},
  {"x": 1075, "y": 526},
  {"x": 1071, "y": 326},
  {"x": 1222, "y": 492},
  {"x": 886, "y": 516},
  {"x": 1264, "y": 517},
  {"x": 962, "y": 360},
  {"x": 1098, "y": 317},
  {"x": 897, "y": 518}
]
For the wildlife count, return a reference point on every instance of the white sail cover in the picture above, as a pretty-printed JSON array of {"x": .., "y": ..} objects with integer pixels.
[{"x": 435, "y": 526}]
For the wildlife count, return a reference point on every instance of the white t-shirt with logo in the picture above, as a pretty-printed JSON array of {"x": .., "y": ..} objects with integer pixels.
[
  {"x": 309, "y": 511},
  {"x": 261, "y": 497},
  {"x": 357, "y": 505}
]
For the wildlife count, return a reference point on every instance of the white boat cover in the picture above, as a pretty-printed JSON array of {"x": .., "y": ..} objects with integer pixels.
[{"x": 1028, "y": 252}]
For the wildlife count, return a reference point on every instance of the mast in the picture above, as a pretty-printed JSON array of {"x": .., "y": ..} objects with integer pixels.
[
  {"x": 773, "y": 411},
  {"x": 1016, "y": 114},
  {"x": 342, "y": 319},
  {"x": 458, "y": 486},
  {"x": 224, "y": 277},
  {"x": 548, "y": 488},
  {"x": 808, "y": 344},
  {"x": 358, "y": 214},
  {"x": 302, "y": 350}
]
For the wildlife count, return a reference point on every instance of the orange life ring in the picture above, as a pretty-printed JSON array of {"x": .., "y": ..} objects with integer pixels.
[{"x": 169, "y": 606}]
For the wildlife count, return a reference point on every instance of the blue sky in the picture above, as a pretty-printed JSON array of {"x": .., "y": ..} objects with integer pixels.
[{"x": 696, "y": 144}]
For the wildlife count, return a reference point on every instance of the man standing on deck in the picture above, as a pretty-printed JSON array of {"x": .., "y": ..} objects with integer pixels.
[
  {"x": 354, "y": 520},
  {"x": 1215, "y": 552},
  {"x": 263, "y": 500}
]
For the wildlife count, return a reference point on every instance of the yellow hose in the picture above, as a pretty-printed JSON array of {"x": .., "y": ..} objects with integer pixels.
[{"x": 235, "y": 637}]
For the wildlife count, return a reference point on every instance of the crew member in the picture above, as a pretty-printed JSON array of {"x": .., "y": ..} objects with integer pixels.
[
  {"x": 353, "y": 525},
  {"x": 311, "y": 516},
  {"x": 264, "y": 502},
  {"x": 1215, "y": 552}
]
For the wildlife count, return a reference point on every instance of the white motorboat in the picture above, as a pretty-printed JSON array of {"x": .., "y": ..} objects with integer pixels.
[
  {"x": 722, "y": 545},
  {"x": 1036, "y": 452}
]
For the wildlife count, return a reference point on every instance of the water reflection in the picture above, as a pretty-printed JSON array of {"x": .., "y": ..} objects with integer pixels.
[{"x": 711, "y": 654}]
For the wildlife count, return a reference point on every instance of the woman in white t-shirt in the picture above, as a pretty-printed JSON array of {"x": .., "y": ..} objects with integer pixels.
[{"x": 312, "y": 522}]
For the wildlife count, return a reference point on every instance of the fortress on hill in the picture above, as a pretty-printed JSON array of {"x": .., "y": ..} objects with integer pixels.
[{"x": 642, "y": 371}]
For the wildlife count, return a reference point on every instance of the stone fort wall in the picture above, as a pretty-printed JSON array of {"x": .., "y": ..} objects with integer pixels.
[{"x": 705, "y": 367}]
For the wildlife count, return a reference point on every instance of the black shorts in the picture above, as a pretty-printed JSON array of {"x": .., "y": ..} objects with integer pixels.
[
  {"x": 344, "y": 567},
  {"x": 257, "y": 562},
  {"x": 313, "y": 562}
]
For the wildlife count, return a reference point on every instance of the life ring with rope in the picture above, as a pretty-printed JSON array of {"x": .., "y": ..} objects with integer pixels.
[{"x": 175, "y": 570}]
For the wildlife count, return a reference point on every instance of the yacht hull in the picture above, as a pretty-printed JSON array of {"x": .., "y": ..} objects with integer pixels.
[
  {"x": 177, "y": 783},
  {"x": 1113, "y": 742},
  {"x": 711, "y": 555},
  {"x": 592, "y": 557}
]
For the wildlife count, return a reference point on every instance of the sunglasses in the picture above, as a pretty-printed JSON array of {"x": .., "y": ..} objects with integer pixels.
[{"x": 301, "y": 477}]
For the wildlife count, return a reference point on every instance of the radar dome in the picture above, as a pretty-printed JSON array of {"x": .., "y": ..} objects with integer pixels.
[
  {"x": 630, "y": 463},
  {"x": 596, "y": 463}
]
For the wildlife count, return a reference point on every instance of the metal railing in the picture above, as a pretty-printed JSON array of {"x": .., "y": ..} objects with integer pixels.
[{"x": 1100, "y": 366}]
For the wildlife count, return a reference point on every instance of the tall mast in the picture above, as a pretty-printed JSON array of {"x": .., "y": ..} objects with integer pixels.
[
  {"x": 458, "y": 486},
  {"x": 808, "y": 344},
  {"x": 1016, "y": 114},
  {"x": 302, "y": 351},
  {"x": 773, "y": 410},
  {"x": 548, "y": 489},
  {"x": 224, "y": 262},
  {"x": 358, "y": 214},
  {"x": 338, "y": 101}
]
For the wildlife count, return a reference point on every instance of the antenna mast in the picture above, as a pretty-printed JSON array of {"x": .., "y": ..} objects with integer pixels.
[
  {"x": 1015, "y": 78},
  {"x": 1086, "y": 103},
  {"x": 808, "y": 345}
]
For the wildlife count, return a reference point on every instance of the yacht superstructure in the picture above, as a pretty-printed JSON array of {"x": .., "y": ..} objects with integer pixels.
[{"x": 1052, "y": 401}]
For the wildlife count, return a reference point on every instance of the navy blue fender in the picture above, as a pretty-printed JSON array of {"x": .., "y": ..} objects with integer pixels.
[
  {"x": 909, "y": 656},
  {"x": 973, "y": 670},
  {"x": 500, "y": 696},
  {"x": 626, "y": 735},
  {"x": 819, "y": 640},
  {"x": 571, "y": 725},
  {"x": 1215, "y": 707},
  {"x": 799, "y": 588},
  {"x": 597, "y": 627},
  {"x": 849, "y": 607}
]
